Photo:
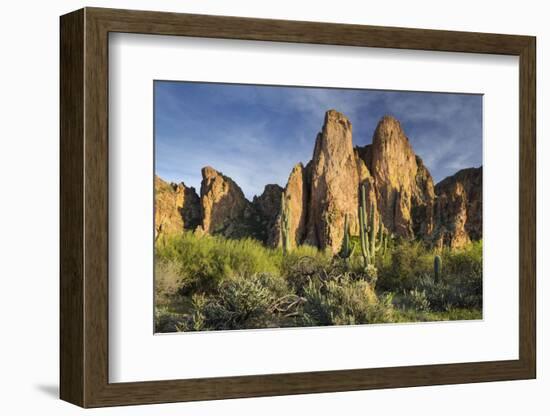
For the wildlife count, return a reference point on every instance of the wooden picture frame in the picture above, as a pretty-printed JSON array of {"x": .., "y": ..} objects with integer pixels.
[{"x": 84, "y": 207}]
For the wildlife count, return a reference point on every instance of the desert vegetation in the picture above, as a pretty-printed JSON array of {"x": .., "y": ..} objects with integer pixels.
[
  {"x": 359, "y": 235},
  {"x": 212, "y": 283}
]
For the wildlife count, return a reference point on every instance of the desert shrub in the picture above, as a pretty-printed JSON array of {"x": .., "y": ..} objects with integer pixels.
[
  {"x": 305, "y": 270},
  {"x": 166, "y": 321},
  {"x": 305, "y": 263},
  {"x": 167, "y": 281},
  {"x": 403, "y": 268},
  {"x": 462, "y": 282},
  {"x": 242, "y": 303},
  {"x": 456, "y": 293},
  {"x": 210, "y": 282},
  {"x": 413, "y": 299},
  {"x": 343, "y": 301},
  {"x": 409, "y": 270},
  {"x": 203, "y": 263},
  {"x": 466, "y": 261}
]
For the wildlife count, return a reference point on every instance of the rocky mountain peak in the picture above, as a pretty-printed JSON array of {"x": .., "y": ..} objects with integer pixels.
[
  {"x": 394, "y": 168},
  {"x": 222, "y": 202},
  {"x": 319, "y": 196},
  {"x": 333, "y": 182},
  {"x": 296, "y": 193},
  {"x": 209, "y": 172}
]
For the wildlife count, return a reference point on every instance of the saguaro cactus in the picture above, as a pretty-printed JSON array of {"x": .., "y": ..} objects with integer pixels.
[
  {"x": 371, "y": 240},
  {"x": 347, "y": 247},
  {"x": 285, "y": 224},
  {"x": 437, "y": 268}
]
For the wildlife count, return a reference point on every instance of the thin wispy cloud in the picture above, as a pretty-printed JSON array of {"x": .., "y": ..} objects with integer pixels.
[{"x": 256, "y": 134}]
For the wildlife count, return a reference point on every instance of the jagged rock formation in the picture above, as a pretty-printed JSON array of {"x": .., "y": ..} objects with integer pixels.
[
  {"x": 366, "y": 180},
  {"x": 296, "y": 194},
  {"x": 334, "y": 183},
  {"x": 458, "y": 210},
  {"x": 394, "y": 168},
  {"x": 423, "y": 199},
  {"x": 177, "y": 207},
  {"x": 398, "y": 185},
  {"x": 223, "y": 204},
  {"x": 265, "y": 212}
]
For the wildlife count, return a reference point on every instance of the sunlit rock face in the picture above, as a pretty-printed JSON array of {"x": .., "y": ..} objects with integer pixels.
[
  {"x": 394, "y": 168},
  {"x": 177, "y": 207},
  {"x": 334, "y": 183},
  {"x": 458, "y": 208},
  {"x": 398, "y": 187},
  {"x": 296, "y": 193},
  {"x": 223, "y": 203}
]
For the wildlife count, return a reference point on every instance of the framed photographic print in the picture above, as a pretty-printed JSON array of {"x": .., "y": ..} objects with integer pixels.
[{"x": 255, "y": 207}]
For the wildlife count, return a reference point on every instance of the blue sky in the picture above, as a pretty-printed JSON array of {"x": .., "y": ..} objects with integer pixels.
[{"x": 256, "y": 134}]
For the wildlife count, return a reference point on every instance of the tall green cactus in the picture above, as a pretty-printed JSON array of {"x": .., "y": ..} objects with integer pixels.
[
  {"x": 347, "y": 247},
  {"x": 285, "y": 225},
  {"x": 437, "y": 268},
  {"x": 371, "y": 240}
]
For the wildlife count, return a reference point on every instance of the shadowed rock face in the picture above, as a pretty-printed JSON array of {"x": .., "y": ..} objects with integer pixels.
[
  {"x": 177, "y": 207},
  {"x": 422, "y": 202},
  {"x": 458, "y": 210},
  {"x": 266, "y": 209},
  {"x": 398, "y": 186}
]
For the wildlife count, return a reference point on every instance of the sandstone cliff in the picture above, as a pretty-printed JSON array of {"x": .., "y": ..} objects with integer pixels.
[
  {"x": 296, "y": 193},
  {"x": 177, "y": 207},
  {"x": 398, "y": 186},
  {"x": 334, "y": 183},
  {"x": 403, "y": 186},
  {"x": 458, "y": 210},
  {"x": 223, "y": 204}
]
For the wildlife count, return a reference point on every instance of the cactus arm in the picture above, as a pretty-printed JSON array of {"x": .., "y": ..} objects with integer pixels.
[
  {"x": 347, "y": 248},
  {"x": 372, "y": 230},
  {"x": 363, "y": 231}
]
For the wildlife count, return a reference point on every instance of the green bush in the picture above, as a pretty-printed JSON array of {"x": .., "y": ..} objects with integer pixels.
[
  {"x": 166, "y": 321},
  {"x": 205, "y": 262},
  {"x": 214, "y": 283},
  {"x": 241, "y": 303},
  {"x": 413, "y": 299},
  {"x": 344, "y": 302},
  {"x": 406, "y": 264},
  {"x": 167, "y": 281},
  {"x": 409, "y": 272}
]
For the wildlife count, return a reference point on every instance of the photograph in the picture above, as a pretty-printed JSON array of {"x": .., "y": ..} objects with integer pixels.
[{"x": 292, "y": 206}]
